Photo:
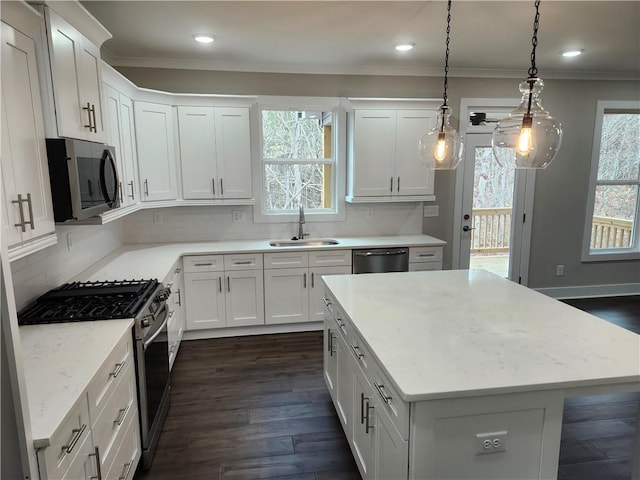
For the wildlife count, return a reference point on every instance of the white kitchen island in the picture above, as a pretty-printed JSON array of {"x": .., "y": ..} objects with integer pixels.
[{"x": 462, "y": 374}]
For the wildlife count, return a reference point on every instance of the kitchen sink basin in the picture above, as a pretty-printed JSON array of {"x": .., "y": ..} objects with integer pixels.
[{"x": 302, "y": 243}]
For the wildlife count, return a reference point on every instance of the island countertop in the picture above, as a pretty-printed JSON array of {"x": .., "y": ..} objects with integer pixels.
[{"x": 463, "y": 333}]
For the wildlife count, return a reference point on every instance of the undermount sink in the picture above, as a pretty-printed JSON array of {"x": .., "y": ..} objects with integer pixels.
[{"x": 302, "y": 243}]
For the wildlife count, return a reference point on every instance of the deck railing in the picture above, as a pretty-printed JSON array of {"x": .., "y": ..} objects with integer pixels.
[
  {"x": 607, "y": 232},
  {"x": 492, "y": 231}
]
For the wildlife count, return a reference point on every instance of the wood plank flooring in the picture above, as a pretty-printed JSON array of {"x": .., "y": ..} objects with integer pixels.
[{"x": 257, "y": 407}]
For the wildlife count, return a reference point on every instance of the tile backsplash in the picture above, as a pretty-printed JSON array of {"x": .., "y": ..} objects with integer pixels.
[
  {"x": 49, "y": 268},
  {"x": 180, "y": 224}
]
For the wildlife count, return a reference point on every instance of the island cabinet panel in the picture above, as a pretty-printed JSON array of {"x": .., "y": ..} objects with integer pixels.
[{"x": 364, "y": 428}]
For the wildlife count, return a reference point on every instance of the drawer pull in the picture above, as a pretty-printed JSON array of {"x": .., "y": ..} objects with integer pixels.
[
  {"x": 122, "y": 413},
  {"x": 118, "y": 369},
  {"x": 203, "y": 264},
  {"x": 339, "y": 322},
  {"x": 243, "y": 262},
  {"x": 357, "y": 352},
  {"x": 77, "y": 433},
  {"x": 380, "y": 388},
  {"x": 427, "y": 255},
  {"x": 98, "y": 464},
  {"x": 127, "y": 469},
  {"x": 326, "y": 301}
]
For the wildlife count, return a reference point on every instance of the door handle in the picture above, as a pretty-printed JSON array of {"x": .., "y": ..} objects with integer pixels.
[{"x": 467, "y": 228}]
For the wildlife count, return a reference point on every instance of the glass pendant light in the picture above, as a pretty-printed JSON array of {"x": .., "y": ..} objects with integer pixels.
[
  {"x": 441, "y": 148},
  {"x": 529, "y": 137}
]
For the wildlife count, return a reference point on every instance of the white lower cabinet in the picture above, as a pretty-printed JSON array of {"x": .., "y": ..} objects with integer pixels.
[
  {"x": 103, "y": 421},
  {"x": 293, "y": 288},
  {"x": 175, "y": 302},
  {"x": 223, "y": 291}
]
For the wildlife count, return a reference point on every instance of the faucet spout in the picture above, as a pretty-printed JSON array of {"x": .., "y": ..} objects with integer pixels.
[{"x": 301, "y": 222}]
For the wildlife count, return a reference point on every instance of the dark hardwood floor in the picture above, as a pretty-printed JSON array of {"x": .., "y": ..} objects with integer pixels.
[{"x": 257, "y": 407}]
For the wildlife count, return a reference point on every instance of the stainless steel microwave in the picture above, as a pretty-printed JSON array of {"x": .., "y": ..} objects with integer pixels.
[{"x": 84, "y": 178}]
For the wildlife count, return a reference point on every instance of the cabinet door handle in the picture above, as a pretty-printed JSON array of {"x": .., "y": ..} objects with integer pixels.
[
  {"x": 30, "y": 207},
  {"x": 213, "y": 183},
  {"x": 88, "y": 109},
  {"x": 367, "y": 425},
  {"x": 313, "y": 283},
  {"x": 93, "y": 114},
  {"x": 179, "y": 301},
  {"x": 221, "y": 187},
  {"x": 120, "y": 191},
  {"x": 304, "y": 280},
  {"x": 391, "y": 184},
  {"x": 127, "y": 469},
  {"x": 20, "y": 213},
  {"x": 380, "y": 388},
  {"x": 77, "y": 433},
  {"x": 132, "y": 196},
  {"x": 146, "y": 188},
  {"x": 122, "y": 413},
  {"x": 362, "y": 399},
  {"x": 332, "y": 338},
  {"x": 398, "y": 186},
  {"x": 118, "y": 369},
  {"x": 98, "y": 464},
  {"x": 228, "y": 283},
  {"x": 220, "y": 284}
]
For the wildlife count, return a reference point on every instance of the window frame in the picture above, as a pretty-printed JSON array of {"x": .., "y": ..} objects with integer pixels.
[
  {"x": 338, "y": 134},
  {"x": 609, "y": 254}
]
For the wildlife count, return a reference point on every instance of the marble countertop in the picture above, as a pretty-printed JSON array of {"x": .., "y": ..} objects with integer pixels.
[
  {"x": 59, "y": 361},
  {"x": 462, "y": 333},
  {"x": 155, "y": 260}
]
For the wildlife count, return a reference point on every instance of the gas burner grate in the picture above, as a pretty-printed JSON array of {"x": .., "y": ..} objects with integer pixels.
[{"x": 81, "y": 301}]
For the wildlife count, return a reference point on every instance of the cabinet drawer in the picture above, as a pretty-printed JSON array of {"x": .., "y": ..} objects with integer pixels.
[
  {"x": 203, "y": 263},
  {"x": 243, "y": 261},
  {"x": 103, "y": 383},
  {"x": 125, "y": 461},
  {"x": 425, "y": 266},
  {"x": 286, "y": 260},
  {"x": 328, "y": 258},
  {"x": 425, "y": 254},
  {"x": 66, "y": 442},
  {"x": 391, "y": 403},
  {"x": 118, "y": 410}
]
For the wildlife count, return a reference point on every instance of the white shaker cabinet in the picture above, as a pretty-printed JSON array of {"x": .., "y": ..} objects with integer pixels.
[
  {"x": 156, "y": 155},
  {"x": 175, "y": 302},
  {"x": 215, "y": 152},
  {"x": 27, "y": 212},
  {"x": 120, "y": 126},
  {"x": 76, "y": 79},
  {"x": 384, "y": 160}
]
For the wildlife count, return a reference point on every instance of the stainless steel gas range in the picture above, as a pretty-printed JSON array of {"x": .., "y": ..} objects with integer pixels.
[{"x": 145, "y": 302}]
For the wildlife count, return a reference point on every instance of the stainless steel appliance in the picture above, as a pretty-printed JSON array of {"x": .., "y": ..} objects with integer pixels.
[
  {"x": 84, "y": 178},
  {"x": 380, "y": 260},
  {"x": 145, "y": 302}
]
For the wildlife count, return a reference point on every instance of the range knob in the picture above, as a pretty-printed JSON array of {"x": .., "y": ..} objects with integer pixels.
[
  {"x": 163, "y": 294},
  {"x": 147, "y": 320}
]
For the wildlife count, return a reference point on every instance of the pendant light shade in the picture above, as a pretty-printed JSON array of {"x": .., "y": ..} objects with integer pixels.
[
  {"x": 441, "y": 148},
  {"x": 529, "y": 137}
]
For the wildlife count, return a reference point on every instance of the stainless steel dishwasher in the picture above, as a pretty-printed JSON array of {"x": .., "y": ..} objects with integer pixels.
[{"x": 380, "y": 260}]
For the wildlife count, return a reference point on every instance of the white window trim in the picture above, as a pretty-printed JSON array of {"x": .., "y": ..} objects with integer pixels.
[
  {"x": 336, "y": 106},
  {"x": 632, "y": 253}
]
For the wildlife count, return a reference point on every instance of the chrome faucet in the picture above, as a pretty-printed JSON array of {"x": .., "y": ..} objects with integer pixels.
[{"x": 301, "y": 222}]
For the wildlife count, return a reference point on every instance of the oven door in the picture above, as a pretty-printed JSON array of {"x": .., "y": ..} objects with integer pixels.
[{"x": 153, "y": 382}]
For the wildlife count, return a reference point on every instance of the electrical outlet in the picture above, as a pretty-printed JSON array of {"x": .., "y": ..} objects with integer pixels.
[
  {"x": 492, "y": 442},
  {"x": 559, "y": 270},
  {"x": 431, "y": 210},
  {"x": 158, "y": 217},
  {"x": 238, "y": 216},
  {"x": 370, "y": 214}
]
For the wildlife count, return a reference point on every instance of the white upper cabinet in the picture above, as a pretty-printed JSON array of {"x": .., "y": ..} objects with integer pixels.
[
  {"x": 384, "y": 162},
  {"x": 75, "y": 68},
  {"x": 156, "y": 154},
  {"x": 215, "y": 152},
  {"x": 27, "y": 214}
]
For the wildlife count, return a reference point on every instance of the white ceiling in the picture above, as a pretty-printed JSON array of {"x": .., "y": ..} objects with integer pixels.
[{"x": 488, "y": 38}]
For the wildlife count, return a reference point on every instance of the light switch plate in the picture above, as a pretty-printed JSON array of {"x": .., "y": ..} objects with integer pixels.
[{"x": 431, "y": 210}]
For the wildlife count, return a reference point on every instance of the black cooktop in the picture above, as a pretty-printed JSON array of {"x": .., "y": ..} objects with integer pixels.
[{"x": 82, "y": 301}]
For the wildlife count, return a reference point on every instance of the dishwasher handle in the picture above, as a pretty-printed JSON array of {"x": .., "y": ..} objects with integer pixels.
[{"x": 380, "y": 254}]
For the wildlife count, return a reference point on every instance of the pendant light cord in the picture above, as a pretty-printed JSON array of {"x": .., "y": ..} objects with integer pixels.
[{"x": 446, "y": 55}]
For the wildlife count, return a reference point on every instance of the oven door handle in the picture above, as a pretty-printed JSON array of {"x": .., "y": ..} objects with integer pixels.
[{"x": 150, "y": 340}]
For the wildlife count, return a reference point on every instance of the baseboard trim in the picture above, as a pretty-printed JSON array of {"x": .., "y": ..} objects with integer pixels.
[
  {"x": 590, "y": 291},
  {"x": 254, "y": 330}
]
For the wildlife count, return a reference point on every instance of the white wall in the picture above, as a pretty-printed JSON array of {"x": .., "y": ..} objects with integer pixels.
[
  {"x": 53, "y": 266},
  {"x": 180, "y": 224}
]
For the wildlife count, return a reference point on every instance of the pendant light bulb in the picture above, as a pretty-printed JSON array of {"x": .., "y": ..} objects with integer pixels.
[
  {"x": 525, "y": 139},
  {"x": 441, "y": 148}
]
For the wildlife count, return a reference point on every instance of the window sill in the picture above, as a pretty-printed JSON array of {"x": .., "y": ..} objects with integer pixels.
[{"x": 611, "y": 256}]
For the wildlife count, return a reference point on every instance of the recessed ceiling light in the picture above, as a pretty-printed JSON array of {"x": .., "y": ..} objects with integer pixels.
[
  {"x": 203, "y": 38},
  {"x": 404, "y": 47},
  {"x": 572, "y": 53}
]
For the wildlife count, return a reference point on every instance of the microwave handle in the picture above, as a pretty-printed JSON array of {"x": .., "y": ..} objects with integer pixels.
[{"x": 110, "y": 197}]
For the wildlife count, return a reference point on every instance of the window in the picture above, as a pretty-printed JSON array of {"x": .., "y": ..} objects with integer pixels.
[
  {"x": 614, "y": 192},
  {"x": 298, "y": 162}
]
